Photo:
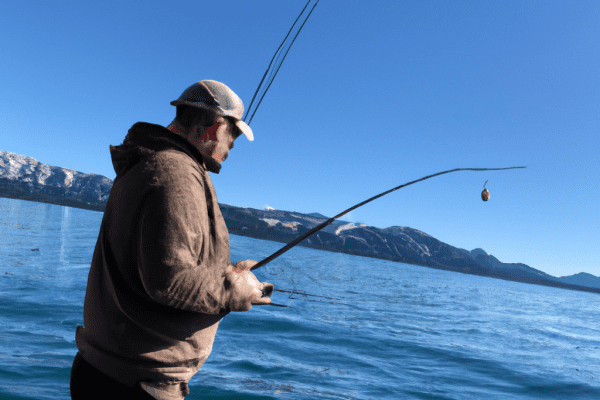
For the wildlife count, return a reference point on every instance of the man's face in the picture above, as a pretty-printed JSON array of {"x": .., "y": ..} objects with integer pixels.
[{"x": 214, "y": 141}]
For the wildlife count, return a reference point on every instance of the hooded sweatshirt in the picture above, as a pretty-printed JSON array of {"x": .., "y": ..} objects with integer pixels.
[{"x": 156, "y": 288}]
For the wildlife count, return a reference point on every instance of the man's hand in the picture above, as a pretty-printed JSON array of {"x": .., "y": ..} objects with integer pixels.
[{"x": 245, "y": 289}]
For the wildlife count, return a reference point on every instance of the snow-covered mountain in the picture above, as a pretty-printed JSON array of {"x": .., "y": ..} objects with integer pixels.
[
  {"x": 27, "y": 179},
  {"x": 395, "y": 243}
]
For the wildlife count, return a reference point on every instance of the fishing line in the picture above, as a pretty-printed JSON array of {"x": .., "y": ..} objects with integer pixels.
[
  {"x": 273, "y": 59},
  {"x": 326, "y": 302},
  {"x": 295, "y": 286},
  {"x": 276, "y": 71},
  {"x": 278, "y": 64},
  {"x": 302, "y": 292}
]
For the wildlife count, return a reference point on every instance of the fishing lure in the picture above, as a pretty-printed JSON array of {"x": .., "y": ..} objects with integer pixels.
[{"x": 485, "y": 195}]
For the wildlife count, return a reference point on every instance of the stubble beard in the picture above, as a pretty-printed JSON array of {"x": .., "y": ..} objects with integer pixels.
[{"x": 211, "y": 164}]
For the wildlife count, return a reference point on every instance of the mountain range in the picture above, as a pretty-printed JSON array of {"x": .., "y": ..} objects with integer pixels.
[{"x": 25, "y": 178}]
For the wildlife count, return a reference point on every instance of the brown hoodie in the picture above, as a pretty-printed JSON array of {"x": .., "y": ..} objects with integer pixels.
[{"x": 156, "y": 288}]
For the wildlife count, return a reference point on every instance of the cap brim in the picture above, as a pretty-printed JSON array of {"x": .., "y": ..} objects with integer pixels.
[{"x": 245, "y": 129}]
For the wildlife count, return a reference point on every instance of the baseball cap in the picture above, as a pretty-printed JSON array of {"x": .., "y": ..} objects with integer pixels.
[{"x": 216, "y": 97}]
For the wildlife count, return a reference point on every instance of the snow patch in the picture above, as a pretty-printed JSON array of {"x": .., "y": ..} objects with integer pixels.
[
  {"x": 363, "y": 241},
  {"x": 292, "y": 224},
  {"x": 344, "y": 228},
  {"x": 270, "y": 221}
]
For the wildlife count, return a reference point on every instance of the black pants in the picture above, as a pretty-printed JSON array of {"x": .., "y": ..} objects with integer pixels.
[{"x": 87, "y": 383}]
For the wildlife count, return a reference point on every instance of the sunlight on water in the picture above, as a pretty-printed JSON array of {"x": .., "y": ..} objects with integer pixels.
[{"x": 64, "y": 226}]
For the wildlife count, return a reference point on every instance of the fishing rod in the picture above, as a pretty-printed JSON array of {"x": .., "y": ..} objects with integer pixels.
[
  {"x": 270, "y": 80},
  {"x": 330, "y": 220}
]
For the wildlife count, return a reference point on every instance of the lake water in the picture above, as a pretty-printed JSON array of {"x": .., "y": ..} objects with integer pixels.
[{"x": 395, "y": 331}]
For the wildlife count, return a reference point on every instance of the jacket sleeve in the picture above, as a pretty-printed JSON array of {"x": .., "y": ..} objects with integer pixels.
[{"x": 179, "y": 264}]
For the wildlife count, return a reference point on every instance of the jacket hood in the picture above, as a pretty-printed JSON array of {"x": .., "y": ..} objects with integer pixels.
[{"x": 143, "y": 140}]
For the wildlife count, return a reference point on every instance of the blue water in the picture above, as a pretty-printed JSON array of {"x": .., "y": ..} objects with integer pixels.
[{"x": 396, "y": 331}]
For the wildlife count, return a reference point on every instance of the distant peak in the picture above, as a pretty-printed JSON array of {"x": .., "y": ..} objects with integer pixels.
[
  {"x": 318, "y": 215},
  {"x": 585, "y": 274},
  {"x": 478, "y": 251}
]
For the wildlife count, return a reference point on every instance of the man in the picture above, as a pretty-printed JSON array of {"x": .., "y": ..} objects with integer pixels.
[{"x": 161, "y": 279}]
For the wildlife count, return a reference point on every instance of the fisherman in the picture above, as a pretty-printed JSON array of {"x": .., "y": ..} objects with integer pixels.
[{"x": 161, "y": 278}]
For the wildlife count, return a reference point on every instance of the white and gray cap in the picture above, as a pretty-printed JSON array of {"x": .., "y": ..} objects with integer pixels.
[{"x": 216, "y": 97}]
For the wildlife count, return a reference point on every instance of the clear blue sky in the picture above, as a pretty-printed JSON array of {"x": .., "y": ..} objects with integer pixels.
[{"x": 373, "y": 94}]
